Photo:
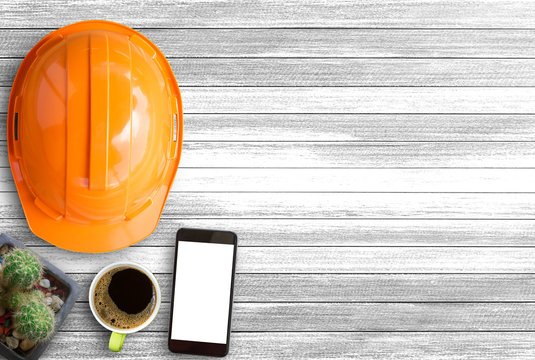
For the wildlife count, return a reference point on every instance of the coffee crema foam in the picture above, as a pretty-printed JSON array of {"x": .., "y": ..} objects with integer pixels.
[{"x": 108, "y": 310}]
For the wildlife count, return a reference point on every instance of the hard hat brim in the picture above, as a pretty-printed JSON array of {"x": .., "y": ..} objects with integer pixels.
[{"x": 94, "y": 238}]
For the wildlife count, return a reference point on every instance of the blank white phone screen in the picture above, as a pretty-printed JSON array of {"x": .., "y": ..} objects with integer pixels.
[{"x": 202, "y": 292}]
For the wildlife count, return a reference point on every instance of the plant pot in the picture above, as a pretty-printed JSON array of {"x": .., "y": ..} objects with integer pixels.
[{"x": 72, "y": 293}]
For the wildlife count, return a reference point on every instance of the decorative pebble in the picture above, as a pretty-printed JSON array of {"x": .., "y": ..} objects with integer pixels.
[
  {"x": 26, "y": 345},
  {"x": 57, "y": 303},
  {"x": 48, "y": 301},
  {"x": 44, "y": 283},
  {"x": 4, "y": 249},
  {"x": 2, "y": 310},
  {"x": 12, "y": 342},
  {"x": 17, "y": 335}
]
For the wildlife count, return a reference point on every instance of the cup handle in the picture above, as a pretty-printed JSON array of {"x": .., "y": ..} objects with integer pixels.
[{"x": 116, "y": 341}]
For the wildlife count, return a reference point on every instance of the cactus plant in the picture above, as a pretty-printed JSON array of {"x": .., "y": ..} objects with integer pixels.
[
  {"x": 15, "y": 299},
  {"x": 35, "y": 321},
  {"x": 21, "y": 269}
]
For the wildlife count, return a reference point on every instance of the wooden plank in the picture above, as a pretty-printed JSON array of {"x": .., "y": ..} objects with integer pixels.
[
  {"x": 317, "y": 42},
  {"x": 353, "y": 127},
  {"x": 359, "y": 205},
  {"x": 386, "y": 100},
  {"x": 357, "y": 180},
  {"x": 334, "y": 205},
  {"x": 364, "y": 287},
  {"x": 339, "y": 72},
  {"x": 304, "y": 260},
  {"x": 351, "y": 317},
  {"x": 352, "y": 72},
  {"x": 358, "y": 100},
  {"x": 284, "y": 155},
  {"x": 318, "y": 345},
  {"x": 342, "y": 180},
  {"x": 350, "y": 154},
  {"x": 275, "y": 13},
  {"x": 334, "y": 232},
  {"x": 371, "y": 154}
]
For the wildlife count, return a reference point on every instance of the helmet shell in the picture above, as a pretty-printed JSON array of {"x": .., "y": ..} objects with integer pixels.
[{"x": 94, "y": 136}]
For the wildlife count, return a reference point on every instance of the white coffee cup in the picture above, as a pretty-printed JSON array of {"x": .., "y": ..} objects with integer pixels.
[{"x": 118, "y": 335}]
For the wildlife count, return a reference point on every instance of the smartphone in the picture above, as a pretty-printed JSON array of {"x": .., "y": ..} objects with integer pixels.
[{"x": 203, "y": 282}]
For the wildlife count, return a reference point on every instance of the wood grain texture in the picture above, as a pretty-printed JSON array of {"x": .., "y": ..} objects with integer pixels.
[
  {"x": 309, "y": 260},
  {"x": 342, "y": 180},
  {"x": 314, "y": 43},
  {"x": 359, "y": 100},
  {"x": 339, "y": 72},
  {"x": 334, "y": 232},
  {"x": 274, "y": 317},
  {"x": 350, "y": 155},
  {"x": 295, "y": 288},
  {"x": 353, "y": 127},
  {"x": 340, "y": 100},
  {"x": 359, "y": 205},
  {"x": 275, "y": 13},
  {"x": 334, "y": 205},
  {"x": 356, "y": 127},
  {"x": 374, "y": 158},
  {"x": 346, "y": 180},
  {"x": 317, "y": 345}
]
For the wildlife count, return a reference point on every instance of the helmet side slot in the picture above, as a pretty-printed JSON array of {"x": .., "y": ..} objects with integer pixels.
[
  {"x": 175, "y": 128},
  {"x": 175, "y": 140},
  {"x": 16, "y": 131},
  {"x": 16, "y": 126}
]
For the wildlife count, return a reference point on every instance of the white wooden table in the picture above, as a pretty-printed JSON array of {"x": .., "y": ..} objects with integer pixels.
[{"x": 376, "y": 158}]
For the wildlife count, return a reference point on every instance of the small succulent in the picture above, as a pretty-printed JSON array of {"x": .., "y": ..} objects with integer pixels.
[
  {"x": 35, "y": 321},
  {"x": 21, "y": 269},
  {"x": 15, "y": 299}
]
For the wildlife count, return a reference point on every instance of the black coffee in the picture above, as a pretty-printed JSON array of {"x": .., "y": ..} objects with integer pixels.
[
  {"x": 124, "y": 297},
  {"x": 130, "y": 290}
]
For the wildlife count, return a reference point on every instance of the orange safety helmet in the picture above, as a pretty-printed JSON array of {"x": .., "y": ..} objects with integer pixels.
[{"x": 94, "y": 136}]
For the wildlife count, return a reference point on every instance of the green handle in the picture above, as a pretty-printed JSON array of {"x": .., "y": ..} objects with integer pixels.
[{"x": 116, "y": 341}]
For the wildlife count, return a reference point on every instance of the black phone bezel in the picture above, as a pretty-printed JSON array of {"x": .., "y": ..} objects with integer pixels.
[{"x": 206, "y": 236}]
